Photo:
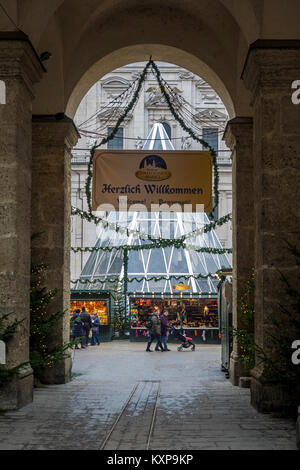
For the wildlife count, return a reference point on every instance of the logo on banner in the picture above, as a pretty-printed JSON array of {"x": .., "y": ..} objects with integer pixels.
[{"x": 153, "y": 168}]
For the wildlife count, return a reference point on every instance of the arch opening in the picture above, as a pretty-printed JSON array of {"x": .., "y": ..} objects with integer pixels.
[{"x": 141, "y": 53}]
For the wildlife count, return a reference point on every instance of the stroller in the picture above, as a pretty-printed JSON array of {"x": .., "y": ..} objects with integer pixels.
[{"x": 186, "y": 342}]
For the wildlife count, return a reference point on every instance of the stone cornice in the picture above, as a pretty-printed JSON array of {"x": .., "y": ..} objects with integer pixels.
[
  {"x": 18, "y": 59},
  {"x": 20, "y": 36},
  {"x": 56, "y": 129},
  {"x": 235, "y": 128},
  {"x": 271, "y": 63},
  {"x": 271, "y": 44}
]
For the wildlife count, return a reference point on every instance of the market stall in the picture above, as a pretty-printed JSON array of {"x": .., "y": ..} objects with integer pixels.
[
  {"x": 98, "y": 303},
  {"x": 195, "y": 316}
]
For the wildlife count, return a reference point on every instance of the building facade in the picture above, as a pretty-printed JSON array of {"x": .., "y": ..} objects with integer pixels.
[{"x": 210, "y": 119}]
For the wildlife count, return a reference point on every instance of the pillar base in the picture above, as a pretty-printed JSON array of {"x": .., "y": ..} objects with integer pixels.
[
  {"x": 18, "y": 392},
  {"x": 237, "y": 369},
  {"x": 268, "y": 397},
  {"x": 59, "y": 374}
]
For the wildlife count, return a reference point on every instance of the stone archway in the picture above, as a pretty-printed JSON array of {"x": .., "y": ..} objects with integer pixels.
[{"x": 239, "y": 138}]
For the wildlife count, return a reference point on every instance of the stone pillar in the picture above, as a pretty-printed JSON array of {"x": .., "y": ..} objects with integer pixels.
[
  {"x": 239, "y": 138},
  {"x": 53, "y": 139},
  {"x": 20, "y": 69},
  {"x": 298, "y": 430},
  {"x": 270, "y": 69}
]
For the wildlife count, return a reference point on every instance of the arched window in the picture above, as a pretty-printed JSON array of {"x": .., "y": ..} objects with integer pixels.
[
  {"x": 2, "y": 92},
  {"x": 168, "y": 129}
]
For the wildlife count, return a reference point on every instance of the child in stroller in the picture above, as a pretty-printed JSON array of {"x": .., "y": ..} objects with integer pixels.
[{"x": 186, "y": 342}]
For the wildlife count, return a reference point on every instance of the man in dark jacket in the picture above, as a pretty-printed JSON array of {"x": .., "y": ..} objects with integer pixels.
[
  {"x": 154, "y": 330},
  {"x": 95, "y": 330},
  {"x": 86, "y": 325},
  {"x": 164, "y": 330}
]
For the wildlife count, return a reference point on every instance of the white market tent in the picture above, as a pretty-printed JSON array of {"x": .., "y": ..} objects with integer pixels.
[{"x": 184, "y": 263}]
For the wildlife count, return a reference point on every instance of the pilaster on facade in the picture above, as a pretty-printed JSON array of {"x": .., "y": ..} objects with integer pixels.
[
  {"x": 53, "y": 139},
  {"x": 239, "y": 138}
]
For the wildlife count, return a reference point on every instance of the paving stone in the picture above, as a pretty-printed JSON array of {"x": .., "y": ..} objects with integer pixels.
[{"x": 197, "y": 407}]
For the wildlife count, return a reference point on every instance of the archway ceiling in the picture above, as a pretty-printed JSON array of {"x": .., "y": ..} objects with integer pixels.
[
  {"x": 115, "y": 25},
  {"x": 255, "y": 18},
  {"x": 81, "y": 34},
  {"x": 33, "y": 16}
]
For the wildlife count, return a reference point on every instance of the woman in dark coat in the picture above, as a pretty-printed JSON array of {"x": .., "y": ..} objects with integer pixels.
[{"x": 77, "y": 330}]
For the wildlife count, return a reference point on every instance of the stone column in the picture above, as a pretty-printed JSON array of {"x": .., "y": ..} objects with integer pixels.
[
  {"x": 53, "y": 139},
  {"x": 20, "y": 69},
  {"x": 270, "y": 69},
  {"x": 239, "y": 138}
]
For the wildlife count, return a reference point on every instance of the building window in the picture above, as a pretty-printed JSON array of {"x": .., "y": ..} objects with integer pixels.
[
  {"x": 117, "y": 143},
  {"x": 168, "y": 129},
  {"x": 211, "y": 136}
]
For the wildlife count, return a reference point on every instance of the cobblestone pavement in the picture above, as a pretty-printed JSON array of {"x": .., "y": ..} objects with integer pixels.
[{"x": 193, "y": 406}]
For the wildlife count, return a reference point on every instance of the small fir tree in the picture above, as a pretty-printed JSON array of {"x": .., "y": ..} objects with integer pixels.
[
  {"x": 285, "y": 329},
  {"x": 42, "y": 323},
  {"x": 245, "y": 335},
  {"x": 120, "y": 320}
]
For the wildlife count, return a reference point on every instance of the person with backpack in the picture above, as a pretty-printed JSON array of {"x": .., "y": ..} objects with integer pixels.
[
  {"x": 86, "y": 325},
  {"x": 154, "y": 327},
  {"x": 95, "y": 330}
]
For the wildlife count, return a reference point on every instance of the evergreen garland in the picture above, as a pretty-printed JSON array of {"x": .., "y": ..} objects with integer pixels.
[
  {"x": 105, "y": 140},
  {"x": 145, "y": 278},
  {"x": 214, "y": 251},
  {"x": 187, "y": 129},
  {"x": 177, "y": 242}
]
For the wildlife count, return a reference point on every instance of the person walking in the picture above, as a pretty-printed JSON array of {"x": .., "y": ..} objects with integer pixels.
[
  {"x": 77, "y": 330},
  {"x": 164, "y": 330},
  {"x": 86, "y": 325},
  {"x": 154, "y": 330},
  {"x": 95, "y": 330}
]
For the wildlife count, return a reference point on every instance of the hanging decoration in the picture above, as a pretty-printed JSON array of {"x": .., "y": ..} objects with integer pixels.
[
  {"x": 213, "y": 251},
  {"x": 111, "y": 136},
  {"x": 145, "y": 278}
]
